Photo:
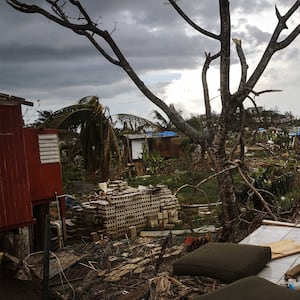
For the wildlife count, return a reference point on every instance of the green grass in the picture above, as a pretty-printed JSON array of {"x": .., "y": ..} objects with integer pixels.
[{"x": 207, "y": 192}]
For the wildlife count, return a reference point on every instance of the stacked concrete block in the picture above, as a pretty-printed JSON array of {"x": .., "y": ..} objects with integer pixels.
[
  {"x": 123, "y": 207},
  {"x": 169, "y": 205},
  {"x": 107, "y": 213}
]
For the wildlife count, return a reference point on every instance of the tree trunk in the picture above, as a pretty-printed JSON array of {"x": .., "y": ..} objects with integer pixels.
[{"x": 225, "y": 180}]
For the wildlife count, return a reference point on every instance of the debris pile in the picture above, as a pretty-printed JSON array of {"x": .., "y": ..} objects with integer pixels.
[
  {"x": 122, "y": 270},
  {"x": 120, "y": 209}
]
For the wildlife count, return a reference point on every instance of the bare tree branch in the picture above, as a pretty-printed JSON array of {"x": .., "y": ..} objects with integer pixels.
[
  {"x": 82, "y": 29},
  {"x": 244, "y": 66},
  {"x": 265, "y": 91},
  {"x": 82, "y": 11},
  {"x": 264, "y": 203},
  {"x": 274, "y": 45},
  {"x": 265, "y": 148},
  {"x": 206, "y": 179},
  {"x": 225, "y": 54},
  {"x": 206, "y": 65},
  {"x": 193, "y": 24},
  {"x": 290, "y": 38}
]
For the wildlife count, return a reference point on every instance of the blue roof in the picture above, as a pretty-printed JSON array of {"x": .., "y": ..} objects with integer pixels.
[{"x": 167, "y": 133}]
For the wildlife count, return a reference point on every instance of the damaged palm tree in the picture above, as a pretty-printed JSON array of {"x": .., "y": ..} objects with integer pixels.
[
  {"x": 133, "y": 124},
  {"x": 98, "y": 140},
  {"x": 214, "y": 138}
]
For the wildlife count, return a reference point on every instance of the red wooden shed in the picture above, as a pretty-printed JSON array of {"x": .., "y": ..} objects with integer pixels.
[
  {"x": 15, "y": 200},
  {"x": 30, "y": 175}
]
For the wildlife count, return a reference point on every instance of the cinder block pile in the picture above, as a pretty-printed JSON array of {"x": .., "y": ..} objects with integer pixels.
[{"x": 121, "y": 208}]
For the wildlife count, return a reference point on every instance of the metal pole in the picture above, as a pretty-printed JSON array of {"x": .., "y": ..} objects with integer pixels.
[{"x": 47, "y": 255}]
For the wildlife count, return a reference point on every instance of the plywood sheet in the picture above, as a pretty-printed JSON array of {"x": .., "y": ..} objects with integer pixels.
[{"x": 284, "y": 248}]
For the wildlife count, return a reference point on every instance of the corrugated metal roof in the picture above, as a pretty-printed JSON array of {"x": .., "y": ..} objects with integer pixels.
[
  {"x": 148, "y": 135},
  {"x": 13, "y": 100}
]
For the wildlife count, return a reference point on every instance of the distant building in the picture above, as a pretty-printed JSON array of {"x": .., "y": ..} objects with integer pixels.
[
  {"x": 166, "y": 144},
  {"x": 254, "y": 110},
  {"x": 294, "y": 135}
]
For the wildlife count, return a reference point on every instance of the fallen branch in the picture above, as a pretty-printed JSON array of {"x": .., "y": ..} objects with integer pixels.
[
  {"x": 251, "y": 186},
  {"x": 265, "y": 148},
  {"x": 163, "y": 251},
  {"x": 205, "y": 179}
]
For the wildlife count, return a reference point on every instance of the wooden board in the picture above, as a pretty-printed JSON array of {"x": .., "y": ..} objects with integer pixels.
[
  {"x": 284, "y": 248},
  {"x": 278, "y": 223}
]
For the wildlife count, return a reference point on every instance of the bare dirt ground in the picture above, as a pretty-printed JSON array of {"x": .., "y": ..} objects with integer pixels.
[{"x": 14, "y": 289}]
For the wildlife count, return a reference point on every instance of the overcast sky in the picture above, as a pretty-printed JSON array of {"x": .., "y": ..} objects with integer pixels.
[{"x": 53, "y": 68}]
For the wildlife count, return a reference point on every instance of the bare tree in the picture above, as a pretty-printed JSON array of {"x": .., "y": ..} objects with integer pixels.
[{"x": 214, "y": 138}]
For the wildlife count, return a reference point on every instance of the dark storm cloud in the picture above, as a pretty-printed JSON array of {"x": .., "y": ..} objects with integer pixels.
[
  {"x": 57, "y": 74},
  {"x": 39, "y": 51},
  {"x": 17, "y": 52},
  {"x": 253, "y": 36},
  {"x": 40, "y": 59}
]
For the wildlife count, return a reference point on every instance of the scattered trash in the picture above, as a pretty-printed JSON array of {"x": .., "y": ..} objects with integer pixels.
[{"x": 191, "y": 243}]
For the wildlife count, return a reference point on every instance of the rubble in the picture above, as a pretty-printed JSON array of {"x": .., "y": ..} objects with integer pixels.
[{"x": 123, "y": 269}]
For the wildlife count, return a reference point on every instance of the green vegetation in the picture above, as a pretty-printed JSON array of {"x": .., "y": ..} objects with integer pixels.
[
  {"x": 271, "y": 168},
  {"x": 206, "y": 193}
]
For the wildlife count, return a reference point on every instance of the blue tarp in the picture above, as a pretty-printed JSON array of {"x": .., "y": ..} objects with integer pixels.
[{"x": 167, "y": 133}]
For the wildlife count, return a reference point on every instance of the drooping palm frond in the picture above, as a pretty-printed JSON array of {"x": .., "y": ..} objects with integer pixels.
[
  {"x": 98, "y": 140},
  {"x": 43, "y": 115},
  {"x": 133, "y": 124},
  {"x": 91, "y": 100},
  {"x": 162, "y": 122},
  {"x": 70, "y": 117}
]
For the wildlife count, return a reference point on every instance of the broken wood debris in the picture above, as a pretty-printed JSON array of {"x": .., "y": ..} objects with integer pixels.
[
  {"x": 164, "y": 233},
  {"x": 292, "y": 273},
  {"x": 120, "y": 270},
  {"x": 138, "y": 264}
]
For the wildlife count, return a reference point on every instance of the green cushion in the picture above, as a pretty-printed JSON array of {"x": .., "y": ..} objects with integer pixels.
[
  {"x": 251, "y": 288},
  {"x": 224, "y": 261}
]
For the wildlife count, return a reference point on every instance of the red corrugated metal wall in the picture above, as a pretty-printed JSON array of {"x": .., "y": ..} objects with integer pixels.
[
  {"x": 45, "y": 178},
  {"x": 15, "y": 202}
]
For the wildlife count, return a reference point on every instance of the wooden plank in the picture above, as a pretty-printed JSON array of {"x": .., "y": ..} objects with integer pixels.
[
  {"x": 284, "y": 248},
  {"x": 278, "y": 223},
  {"x": 162, "y": 233}
]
